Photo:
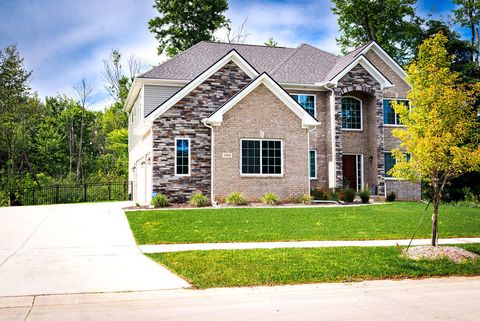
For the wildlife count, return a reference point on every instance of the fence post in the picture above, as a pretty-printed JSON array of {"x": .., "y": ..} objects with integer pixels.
[
  {"x": 85, "y": 192},
  {"x": 57, "y": 196},
  {"x": 33, "y": 196},
  {"x": 110, "y": 191}
]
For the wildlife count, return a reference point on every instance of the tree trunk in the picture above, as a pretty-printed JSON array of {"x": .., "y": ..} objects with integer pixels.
[{"x": 435, "y": 223}]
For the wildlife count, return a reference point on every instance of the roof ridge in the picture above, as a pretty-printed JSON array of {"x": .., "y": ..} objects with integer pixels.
[
  {"x": 170, "y": 60},
  {"x": 248, "y": 44},
  {"x": 319, "y": 49}
]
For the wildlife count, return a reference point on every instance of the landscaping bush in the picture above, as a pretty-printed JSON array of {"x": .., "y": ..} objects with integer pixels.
[
  {"x": 160, "y": 200},
  {"x": 319, "y": 194},
  {"x": 347, "y": 195},
  {"x": 236, "y": 199},
  {"x": 270, "y": 199},
  {"x": 391, "y": 197},
  {"x": 306, "y": 199},
  {"x": 199, "y": 200},
  {"x": 364, "y": 196},
  {"x": 333, "y": 196}
]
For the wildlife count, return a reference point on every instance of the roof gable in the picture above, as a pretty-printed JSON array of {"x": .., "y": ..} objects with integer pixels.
[
  {"x": 264, "y": 79},
  {"x": 232, "y": 55},
  {"x": 368, "y": 66}
]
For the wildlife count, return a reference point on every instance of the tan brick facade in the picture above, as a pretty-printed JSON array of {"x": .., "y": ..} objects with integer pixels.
[{"x": 260, "y": 115}]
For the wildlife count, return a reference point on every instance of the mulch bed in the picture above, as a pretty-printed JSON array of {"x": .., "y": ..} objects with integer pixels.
[{"x": 429, "y": 252}]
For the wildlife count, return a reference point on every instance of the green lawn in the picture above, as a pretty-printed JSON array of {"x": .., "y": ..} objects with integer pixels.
[
  {"x": 389, "y": 221},
  {"x": 206, "y": 269}
]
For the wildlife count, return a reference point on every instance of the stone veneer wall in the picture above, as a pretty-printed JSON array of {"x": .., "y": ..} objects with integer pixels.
[
  {"x": 184, "y": 119},
  {"x": 359, "y": 80},
  {"x": 261, "y": 115}
]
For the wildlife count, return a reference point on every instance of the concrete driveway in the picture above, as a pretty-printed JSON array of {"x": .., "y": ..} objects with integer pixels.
[{"x": 74, "y": 248}]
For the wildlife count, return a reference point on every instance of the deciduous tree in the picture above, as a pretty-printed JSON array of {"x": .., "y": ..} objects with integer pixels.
[
  {"x": 441, "y": 130},
  {"x": 182, "y": 24},
  {"x": 393, "y": 24}
]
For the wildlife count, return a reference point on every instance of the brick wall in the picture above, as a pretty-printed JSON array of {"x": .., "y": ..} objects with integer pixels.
[
  {"x": 404, "y": 190},
  {"x": 184, "y": 119},
  {"x": 261, "y": 115}
]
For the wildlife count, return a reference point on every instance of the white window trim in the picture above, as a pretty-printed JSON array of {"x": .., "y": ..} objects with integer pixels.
[
  {"x": 189, "y": 157},
  {"x": 395, "y": 125},
  {"x": 260, "y": 174},
  {"x": 361, "y": 116},
  {"x": 362, "y": 169},
  {"x": 314, "y": 101},
  {"x": 312, "y": 177}
]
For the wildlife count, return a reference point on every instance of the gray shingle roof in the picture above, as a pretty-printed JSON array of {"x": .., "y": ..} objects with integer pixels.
[{"x": 305, "y": 64}]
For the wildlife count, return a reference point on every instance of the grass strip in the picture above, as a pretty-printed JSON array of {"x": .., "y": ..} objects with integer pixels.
[{"x": 226, "y": 268}]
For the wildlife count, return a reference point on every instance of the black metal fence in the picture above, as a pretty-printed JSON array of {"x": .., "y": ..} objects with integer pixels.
[{"x": 60, "y": 193}]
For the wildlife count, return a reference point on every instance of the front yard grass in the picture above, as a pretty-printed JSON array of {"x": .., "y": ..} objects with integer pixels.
[
  {"x": 389, "y": 221},
  {"x": 223, "y": 268}
]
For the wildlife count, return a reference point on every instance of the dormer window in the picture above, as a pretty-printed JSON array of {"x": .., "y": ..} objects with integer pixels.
[{"x": 307, "y": 102}]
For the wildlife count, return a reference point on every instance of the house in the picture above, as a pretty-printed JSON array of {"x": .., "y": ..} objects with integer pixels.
[{"x": 220, "y": 118}]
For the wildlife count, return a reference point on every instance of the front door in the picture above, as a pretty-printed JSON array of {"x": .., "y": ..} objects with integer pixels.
[{"x": 349, "y": 171}]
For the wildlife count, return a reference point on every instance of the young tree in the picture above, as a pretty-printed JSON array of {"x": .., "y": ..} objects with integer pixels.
[
  {"x": 182, "y": 23},
  {"x": 467, "y": 14},
  {"x": 393, "y": 24},
  {"x": 441, "y": 130},
  {"x": 238, "y": 36}
]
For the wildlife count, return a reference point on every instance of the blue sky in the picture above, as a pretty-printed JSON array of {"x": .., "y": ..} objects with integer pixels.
[{"x": 62, "y": 41}]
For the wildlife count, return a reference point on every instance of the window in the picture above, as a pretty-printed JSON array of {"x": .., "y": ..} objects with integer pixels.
[
  {"x": 312, "y": 163},
  {"x": 261, "y": 157},
  {"x": 389, "y": 115},
  {"x": 182, "y": 156},
  {"x": 307, "y": 102},
  {"x": 351, "y": 113},
  {"x": 390, "y": 161}
]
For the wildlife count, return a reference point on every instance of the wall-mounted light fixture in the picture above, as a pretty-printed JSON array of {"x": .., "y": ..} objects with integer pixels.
[
  {"x": 134, "y": 168},
  {"x": 149, "y": 161},
  {"x": 370, "y": 159},
  {"x": 142, "y": 164}
]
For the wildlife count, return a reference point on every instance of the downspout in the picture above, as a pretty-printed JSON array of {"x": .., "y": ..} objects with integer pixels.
[
  {"x": 333, "y": 177},
  {"x": 212, "y": 167},
  {"x": 308, "y": 162}
]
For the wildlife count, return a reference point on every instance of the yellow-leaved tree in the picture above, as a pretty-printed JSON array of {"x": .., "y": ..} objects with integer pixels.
[{"x": 440, "y": 132}]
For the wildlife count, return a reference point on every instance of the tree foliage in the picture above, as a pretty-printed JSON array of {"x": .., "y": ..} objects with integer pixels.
[
  {"x": 393, "y": 24},
  {"x": 467, "y": 14},
  {"x": 271, "y": 42},
  {"x": 441, "y": 130},
  {"x": 182, "y": 24}
]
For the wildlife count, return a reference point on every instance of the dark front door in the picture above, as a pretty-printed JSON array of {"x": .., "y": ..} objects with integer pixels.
[{"x": 349, "y": 171}]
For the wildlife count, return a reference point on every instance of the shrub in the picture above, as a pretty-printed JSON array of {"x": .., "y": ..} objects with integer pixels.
[
  {"x": 319, "y": 194},
  {"x": 364, "y": 195},
  {"x": 306, "y": 199},
  {"x": 137, "y": 204},
  {"x": 160, "y": 200},
  {"x": 333, "y": 196},
  {"x": 270, "y": 199},
  {"x": 347, "y": 195},
  {"x": 199, "y": 200},
  {"x": 391, "y": 197},
  {"x": 236, "y": 199}
]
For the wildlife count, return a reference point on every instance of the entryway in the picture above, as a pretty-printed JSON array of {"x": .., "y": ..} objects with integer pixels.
[{"x": 352, "y": 166}]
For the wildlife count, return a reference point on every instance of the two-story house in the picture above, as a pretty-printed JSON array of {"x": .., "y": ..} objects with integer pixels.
[{"x": 220, "y": 118}]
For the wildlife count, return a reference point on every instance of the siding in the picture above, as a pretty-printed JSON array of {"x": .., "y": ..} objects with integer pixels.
[{"x": 156, "y": 95}]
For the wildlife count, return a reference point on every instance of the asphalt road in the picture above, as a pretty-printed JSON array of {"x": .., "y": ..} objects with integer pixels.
[{"x": 430, "y": 299}]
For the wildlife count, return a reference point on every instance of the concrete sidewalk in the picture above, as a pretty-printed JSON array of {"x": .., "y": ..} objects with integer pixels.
[
  {"x": 74, "y": 248},
  {"x": 422, "y": 300},
  {"x": 161, "y": 248}
]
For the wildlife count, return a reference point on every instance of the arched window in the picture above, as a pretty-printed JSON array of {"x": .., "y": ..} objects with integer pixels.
[{"x": 351, "y": 113}]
